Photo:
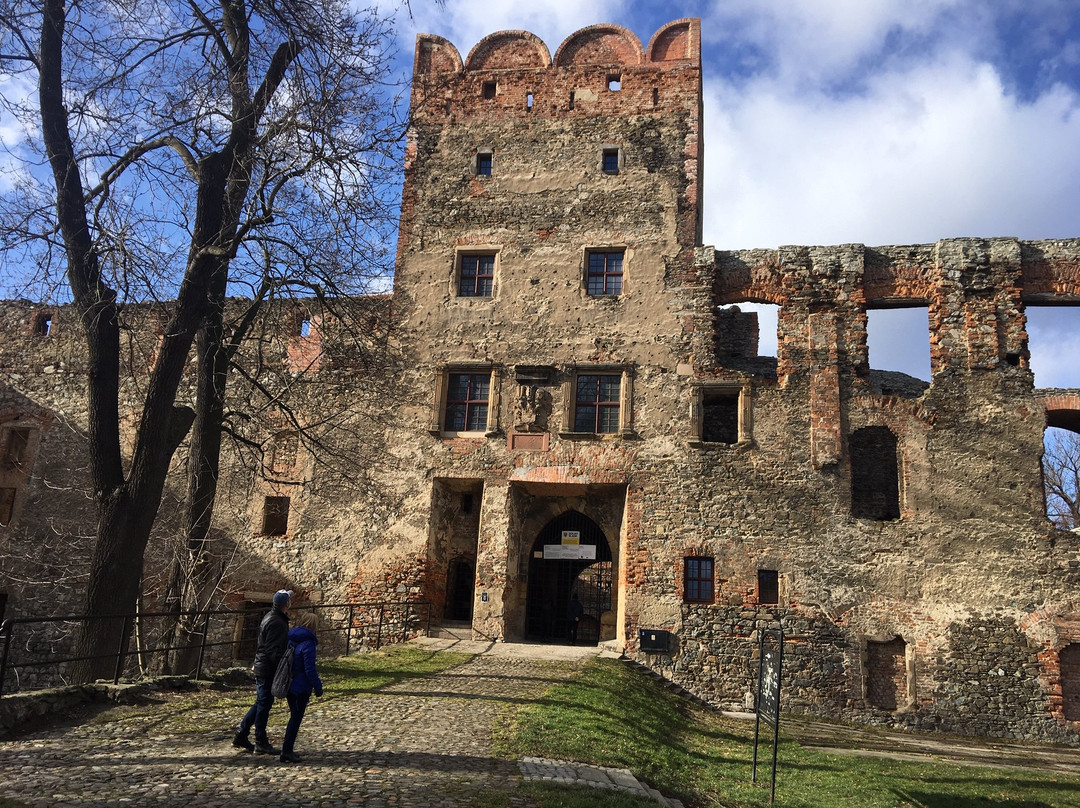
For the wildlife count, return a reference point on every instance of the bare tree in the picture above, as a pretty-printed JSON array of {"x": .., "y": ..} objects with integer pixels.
[
  {"x": 1061, "y": 478},
  {"x": 195, "y": 150}
]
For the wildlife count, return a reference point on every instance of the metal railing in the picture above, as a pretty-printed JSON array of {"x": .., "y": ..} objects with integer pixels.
[{"x": 36, "y": 643}]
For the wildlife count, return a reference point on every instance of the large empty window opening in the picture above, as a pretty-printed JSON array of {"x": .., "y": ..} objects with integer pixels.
[
  {"x": 886, "y": 673},
  {"x": 875, "y": 487},
  {"x": 720, "y": 416},
  {"x": 1054, "y": 344},
  {"x": 898, "y": 340},
  {"x": 1061, "y": 473},
  {"x": 1069, "y": 663}
]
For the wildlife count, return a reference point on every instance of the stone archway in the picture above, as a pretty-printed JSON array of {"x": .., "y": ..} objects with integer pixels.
[{"x": 570, "y": 556}]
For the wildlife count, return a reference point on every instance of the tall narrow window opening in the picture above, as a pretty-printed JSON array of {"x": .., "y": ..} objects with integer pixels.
[
  {"x": 768, "y": 584},
  {"x": 609, "y": 161},
  {"x": 1069, "y": 665},
  {"x": 875, "y": 487},
  {"x": 483, "y": 164}
]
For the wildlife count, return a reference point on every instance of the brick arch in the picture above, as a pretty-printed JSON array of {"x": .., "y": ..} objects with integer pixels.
[
  {"x": 505, "y": 50},
  {"x": 1063, "y": 411},
  {"x": 605, "y": 44},
  {"x": 677, "y": 41},
  {"x": 434, "y": 54}
]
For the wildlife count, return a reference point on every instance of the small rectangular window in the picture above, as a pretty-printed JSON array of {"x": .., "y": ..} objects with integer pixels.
[
  {"x": 605, "y": 273},
  {"x": 720, "y": 416},
  {"x": 610, "y": 161},
  {"x": 697, "y": 579},
  {"x": 529, "y": 101},
  {"x": 483, "y": 164},
  {"x": 16, "y": 447},
  {"x": 275, "y": 520},
  {"x": 614, "y": 82},
  {"x": 596, "y": 403},
  {"x": 7, "y": 505},
  {"x": 768, "y": 586},
  {"x": 476, "y": 275},
  {"x": 489, "y": 90},
  {"x": 43, "y": 324},
  {"x": 467, "y": 402}
]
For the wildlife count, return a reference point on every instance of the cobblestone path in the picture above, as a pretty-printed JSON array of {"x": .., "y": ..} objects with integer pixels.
[{"x": 422, "y": 743}]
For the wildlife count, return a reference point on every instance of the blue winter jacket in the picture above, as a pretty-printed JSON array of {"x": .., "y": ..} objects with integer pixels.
[{"x": 305, "y": 677}]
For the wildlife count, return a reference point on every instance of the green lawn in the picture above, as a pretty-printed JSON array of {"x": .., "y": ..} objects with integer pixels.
[{"x": 614, "y": 716}]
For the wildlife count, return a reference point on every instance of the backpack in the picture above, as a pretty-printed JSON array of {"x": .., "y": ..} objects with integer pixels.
[{"x": 279, "y": 687}]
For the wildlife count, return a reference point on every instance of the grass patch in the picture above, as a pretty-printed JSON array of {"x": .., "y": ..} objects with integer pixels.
[
  {"x": 549, "y": 795},
  {"x": 613, "y": 716}
]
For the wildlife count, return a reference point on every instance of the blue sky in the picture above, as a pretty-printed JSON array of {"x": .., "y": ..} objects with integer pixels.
[{"x": 869, "y": 121}]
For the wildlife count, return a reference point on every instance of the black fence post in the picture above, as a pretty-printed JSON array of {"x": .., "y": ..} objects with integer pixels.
[
  {"x": 348, "y": 631},
  {"x": 378, "y": 631},
  {"x": 7, "y": 628},
  {"x": 120, "y": 650},
  {"x": 202, "y": 646}
]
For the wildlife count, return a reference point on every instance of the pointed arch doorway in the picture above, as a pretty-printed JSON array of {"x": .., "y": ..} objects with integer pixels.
[{"x": 571, "y": 556}]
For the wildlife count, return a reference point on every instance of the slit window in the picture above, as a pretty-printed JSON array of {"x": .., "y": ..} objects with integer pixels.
[
  {"x": 571, "y": 99},
  {"x": 768, "y": 586},
  {"x": 467, "y": 403},
  {"x": 476, "y": 275},
  {"x": 698, "y": 579},
  {"x": 605, "y": 273},
  {"x": 275, "y": 519},
  {"x": 529, "y": 101},
  {"x": 483, "y": 164}
]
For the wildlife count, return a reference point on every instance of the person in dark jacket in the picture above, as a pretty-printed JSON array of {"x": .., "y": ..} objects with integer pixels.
[
  {"x": 271, "y": 644},
  {"x": 305, "y": 680}
]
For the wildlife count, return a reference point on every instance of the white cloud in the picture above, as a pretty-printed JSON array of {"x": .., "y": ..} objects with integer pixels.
[{"x": 933, "y": 151}]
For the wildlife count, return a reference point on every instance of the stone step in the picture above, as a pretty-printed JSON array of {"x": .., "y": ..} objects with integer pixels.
[{"x": 452, "y": 630}]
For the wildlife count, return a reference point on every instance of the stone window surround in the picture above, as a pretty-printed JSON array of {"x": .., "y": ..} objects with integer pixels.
[
  {"x": 483, "y": 152},
  {"x": 455, "y": 276},
  {"x": 442, "y": 381},
  {"x": 626, "y": 377},
  {"x": 700, "y": 390},
  {"x": 610, "y": 149}
]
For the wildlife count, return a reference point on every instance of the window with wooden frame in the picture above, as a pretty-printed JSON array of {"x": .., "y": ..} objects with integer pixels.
[
  {"x": 698, "y": 579},
  {"x": 476, "y": 274},
  {"x": 275, "y": 516},
  {"x": 597, "y": 402},
  {"x": 604, "y": 272},
  {"x": 466, "y": 401}
]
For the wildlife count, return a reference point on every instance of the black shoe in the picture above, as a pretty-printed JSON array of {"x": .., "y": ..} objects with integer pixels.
[
  {"x": 289, "y": 757},
  {"x": 241, "y": 741},
  {"x": 264, "y": 748}
]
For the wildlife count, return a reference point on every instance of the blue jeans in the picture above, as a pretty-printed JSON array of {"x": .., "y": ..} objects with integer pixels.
[
  {"x": 297, "y": 705},
  {"x": 259, "y": 712}
]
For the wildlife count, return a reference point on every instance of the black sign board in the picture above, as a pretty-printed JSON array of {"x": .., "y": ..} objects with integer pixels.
[{"x": 770, "y": 664}]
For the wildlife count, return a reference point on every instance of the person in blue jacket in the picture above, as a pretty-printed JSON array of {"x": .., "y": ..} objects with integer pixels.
[{"x": 305, "y": 680}]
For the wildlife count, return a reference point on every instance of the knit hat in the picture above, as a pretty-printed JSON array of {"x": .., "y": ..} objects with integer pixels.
[{"x": 282, "y": 598}]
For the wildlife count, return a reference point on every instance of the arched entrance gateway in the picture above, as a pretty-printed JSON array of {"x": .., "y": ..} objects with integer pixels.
[{"x": 570, "y": 556}]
